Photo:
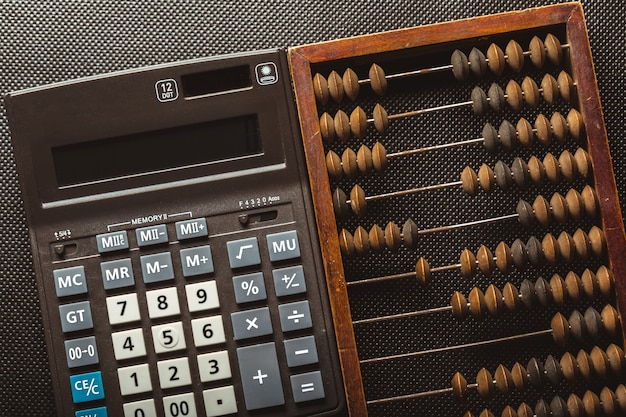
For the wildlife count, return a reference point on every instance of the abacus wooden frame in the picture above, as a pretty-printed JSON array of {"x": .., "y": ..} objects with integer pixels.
[{"x": 303, "y": 57}]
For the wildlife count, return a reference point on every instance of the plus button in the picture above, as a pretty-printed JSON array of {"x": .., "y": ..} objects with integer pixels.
[{"x": 259, "y": 377}]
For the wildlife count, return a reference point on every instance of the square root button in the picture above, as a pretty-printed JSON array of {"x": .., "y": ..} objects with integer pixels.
[{"x": 243, "y": 252}]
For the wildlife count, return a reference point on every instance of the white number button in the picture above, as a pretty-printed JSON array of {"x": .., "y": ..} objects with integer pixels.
[
  {"x": 128, "y": 344},
  {"x": 180, "y": 405},
  {"x": 162, "y": 303},
  {"x": 134, "y": 379},
  {"x": 208, "y": 331},
  {"x": 123, "y": 309},
  {"x": 214, "y": 366},
  {"x": 174, "y": 373},
  {"x": 168, "y": 337},
  {"x": 144, "y": 408},
  {"x": 220, "y": 401},
  {"x": 202, "y": 296}
]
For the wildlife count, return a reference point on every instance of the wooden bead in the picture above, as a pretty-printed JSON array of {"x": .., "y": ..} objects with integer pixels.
[
  {"x": 528, "y": 294},
  {"x": 616, "y": 359},
  {"x": 554, "y": 373},
  {"x": 520, "y": 173},
  {"x": 327, "y": 128},
  {"x": 486, "y": 263},
  {"x": 550, "y": 247},
  {"x": 514, "y": 95},
  {"x": 519, "y": 376},
  {"x": 610, "y": 320},
  {"x": 620, "y": 394},
  {"x": 460, "y": 309},
  {"x": 504, "y": 380},
  {"x": 477, "y": 303},
  {"x": 514, "y": 56},
  {"x": 341, "y": 122},
  {"x": 591, "y": 402},
  {"x": 459, "y": 385},
  {"x": 584, "y": 364},
  {"x": 460, "y": 65},
  {"x": 575, "y": 204},
  {"x": 542, "y": 289},
  {"x": 560, "y": 209},
  {"x": 361, "y": 241},
  {"x": 485, "y": 385},
  {"x": 535, "y": 372},
  {"x": 560, "y": 329},
  {"x": 544, "y": 130},
  {"x": 486, "y": 178},
  {"x": 381, "y": 119},
  {"x": 608, "y": 401},
  {"x": 422, "y": 272},
  {"x": 351, "y": 84},
  {"x": 558, "y": 407},
  {"x": 573, "y": 286},
  {"x": 599, "y": 361},
  {"x": 469, "y": 181},
  {"x": 320, "y": 88},
  {"x": 537, "y": 171},
  {"x": 575, "y": 406},
  {"x": 493, "y": 300},
  {"x": 410, "y": 234},
  {"x": 541, "y": 208},
  {"x": 490, "y": 138},
  {"x": 569, "y": 367},
  {"x": 524, "y": 410},
  {"x": 333, "y": 165},
  {"x": 582, "y": 243},
  {"x": 346, "y": 243},
  {"x": 358, "y": 123},
  {"x": 589, "y": 283},
  {"x": 507, "y": 135},
  {"x": 508, "y": 412},
  {"x": 480, "y": 104},
  {"x": 554, "y": 51},
  {"x": 542, "y": 409},
  {"x": 551, "y": 165},
  {"x": 531, "y": 92},
  {"x": 567, "y": 248},
  {"x": 393, "y": 237},
  {"x": 535, "y": 251},
  {"x": 349, "y": 164},
  {"x": 511, "y": 297},
  {"x": 559, "y": 126},
  {"x": 342, "y": 209},
  {"x": 519, "y": 254},
  {"x": 377, "y": 239},
  {"x": 496, "y": 63},
  {"x": 590, "y": 201},
  {"x": 558, "y": 290},
  {"x": 496, "y": 98},
  {"x": 577, "y": 325},
  {"x": 550, "y": 89},
  {"x": 605, "y": 281},
  {"x": 566, "y": 86},
  {"x": 378, "y": 81},
  {"x": 379, "y": 157},
  {"x": 537, "y": 52},
  {"x": 504, "y": 177},
  {"x": 335, "y": 86},
  {"x": 468, "y": 414},
  {"x": 357, "y": 200},
  {"x": 468, "y": 263},
  {"x": 364, "y": 160},
  {"x": 568, "y": 166},
  {"x": 598, "y": 242},
  {"x": 525, "y": 133},
  {"x": 486, "y": 413},
  {"x": 575, "y": 124},
  {"x": 504, "y": 258}
]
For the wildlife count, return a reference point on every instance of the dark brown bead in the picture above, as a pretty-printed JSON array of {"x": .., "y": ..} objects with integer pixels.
[
  {"x": 504, "y": 177},
  {"x": 496, "y": 98},
  {"x": 520, "y": 172},
  {"x": 520, "y": 376},
  {"x": 479, "y": 101},
  {"x": 528, "y": 295},
  {"x": 577, "y": 325},
  {"x": 333, "y": 165},
  {"x": 554, "y": 373},
  {"x": 490, "y": 138},
  {"x": 558, "y": 407},
  {"x": 361, "y": 241},
  {"x": 519, "y": 254},
  {"x": 542, "y": 409},
  {"x": 410, "y": 234},
  {"x": 535, "y": 372},
  {"x": 575, "y": 406},
  {"x": 342, "y": 209},
  {"x": 460, "y": 65},
  {"x": 535, "y": 251},
  {"x": 526, "y": 214},
  {"x": 508, "y": 135},
  {"x": 542, "y": 289}
]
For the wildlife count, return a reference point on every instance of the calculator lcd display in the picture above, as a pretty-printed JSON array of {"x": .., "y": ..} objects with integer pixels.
[{"x": 156, "y": 151}]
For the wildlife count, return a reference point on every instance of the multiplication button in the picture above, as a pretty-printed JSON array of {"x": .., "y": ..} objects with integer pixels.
[{"x": 251, "y": 323}]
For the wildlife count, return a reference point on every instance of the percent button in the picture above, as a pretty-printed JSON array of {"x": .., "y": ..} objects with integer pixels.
[{"x": 249, "y": 287}]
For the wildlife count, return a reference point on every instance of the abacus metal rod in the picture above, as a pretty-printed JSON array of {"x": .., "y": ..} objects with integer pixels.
[
  {"x": 436, "y": 147},
  {"x": 403, "y": 315},
  {"x": 412, "y": 396},
  {"x": 410, "y": 191},
  {"x": 400, "y": 276},
  {"x": 428, "y": 110},
  {"x": 467, "y": 224}
]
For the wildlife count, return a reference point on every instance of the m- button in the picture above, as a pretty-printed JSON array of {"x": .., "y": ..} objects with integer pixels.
[{"x": 283, "y": 246}]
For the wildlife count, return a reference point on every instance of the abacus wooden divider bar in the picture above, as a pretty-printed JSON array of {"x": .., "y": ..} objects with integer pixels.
[{"x": 446, "y": 37}]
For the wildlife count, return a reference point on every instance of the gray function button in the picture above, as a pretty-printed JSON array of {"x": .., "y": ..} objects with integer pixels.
[
  {"x": 249, "y": 288},
  {"x": 151, "y": 235},
  {"x": 260, "y": 376},
  {"x": 70, "y": 281},
  {"x": 109, "y": 242},
  {"x": 301, "y": 351},
  {"x": 295, "y": 316},
  {"x": 157, "y": 267},
  {"x": 283, "y": 245},
  {"x": 243, "y": 252},
  {"x": 81, "y": 352},
  {"x": 117, "y": 274},
  {"x": 76, "y": 316},
  {"x": 196, "y": 261},
  {"x": 289, "y": 281},
  {"x": 251, "y": 323},
  {"x": 190, "y": 229},
  {"x": 307, "y": 387}
]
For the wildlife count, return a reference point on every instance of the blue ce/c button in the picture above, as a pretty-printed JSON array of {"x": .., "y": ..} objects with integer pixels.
[{"x": 87, "y": 387}]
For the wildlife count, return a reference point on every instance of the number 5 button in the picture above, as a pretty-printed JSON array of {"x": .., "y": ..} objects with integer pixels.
[{"x": 168, "y": 337}]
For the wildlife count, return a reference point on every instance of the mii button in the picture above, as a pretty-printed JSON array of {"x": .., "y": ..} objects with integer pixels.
[{"x": 87, "y": 387}]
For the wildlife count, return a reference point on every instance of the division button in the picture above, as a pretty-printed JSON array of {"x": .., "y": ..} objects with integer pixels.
[
  {"x": 289, "y": 281},
  {"x": 283, "y": 246},
  {"x": 307, "y": 387},
  {"x": 157, "y": 267},
  {"x": 250, "y": 287},
  {"x": 76, "y": 316},
  {"x": 87, "y": 387},
  {"x": 220, "y": 401},
  {"x": 70, "y": 281},
  {"x": 260, "y": 376},
  {"x": 251, "y": 323},
  {"x": 92, "y": 412},
  {"x": 196, "y": 261},
  {"x": 243, "y": 252},
  {"x": 152, "y": 235},
  {"x": 109, "y": 242},
  {"x": 190, "y": 229},
  {"x": 295, "y": 316},
  {"x": 301, "y": 351},
  {"x": 117, "y": 274},
  {"x": 81, "y": 352}
]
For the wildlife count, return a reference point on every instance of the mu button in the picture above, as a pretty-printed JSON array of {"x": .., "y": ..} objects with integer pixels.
[{"x": 283, "y": 246}]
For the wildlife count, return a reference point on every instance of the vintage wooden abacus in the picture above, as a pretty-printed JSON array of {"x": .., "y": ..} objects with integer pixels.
[{"x": 468, "y": 215}]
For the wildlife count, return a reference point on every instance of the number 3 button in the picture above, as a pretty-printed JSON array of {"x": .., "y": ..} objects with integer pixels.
[{"x": 214, "y": 366}]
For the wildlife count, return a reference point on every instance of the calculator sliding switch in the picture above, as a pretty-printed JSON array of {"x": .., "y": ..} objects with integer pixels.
[{"x": 260, "y": 376}]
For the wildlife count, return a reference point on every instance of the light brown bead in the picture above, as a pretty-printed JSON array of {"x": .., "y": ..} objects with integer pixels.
[
  {"x": 320, "y": 88},
  {"x": 605, "y": 280},
  {"x": 584, "y": 364},
  {"x": 351, "y": 84},
  {"x": 551, "y": 165},
  {"x": 504, "y": 258},
  {"x": 460, "y": 309},
  {"x": 620, "y": 393},
  {"x": 566, "y": 86},
  {"x": 575, "y": 205},
  {"x": 486, "y": 178},
  {"x": 599, "y": 361},
  {"x": 573, "y": 286},
  {"x": 537, "y": 52},
  {"x": 333, "y": 165},
  {"x": 560, "y": 329},
  {"x": 543, "y": 130},
  {"x": 342, "y": 126},
  {"x": 524, "y": 410},
  {"x": 616, "y": 358},
  {"x": 335, "y": 86},
  {"x": 541, "y": 209},
  {"x": 537, "y": 171},
  {"x": 486, "y": 263},
  {"x": 514, "y": 95},
  {"x": 590, "y": 284},
  {"x": 459, "y": 385},
  {"x": 393, "y": 237},
  {"x": 567, "y": 166},
  {"x": 608, "y": 401},
  {"x": 519, "y": 374},
  {"x": 327, "y": 128},
  {"x": 569, "y": 366},
  {"x": 575, "y": 406},
  {"x": 525, "y": 132},
  {"x": 610, "y": 320},
  {"x": 550, "y": 89},
  {"x": 554, "y": 50},
  {"x": 559, "y": 126},
  {"x": 477, "y": 303},
  {"x": 531, "y": 92},
  {"x": 346, "y": 243},
  {"x": 349, "y": 164},
  {"x": 468, "y": 263},
  {"x": 496, "y": 63},
  {"x": 504, "y": 380},
  {"x": 511, "y": 297},
  {"x": 358, "y": 123},
  {"x": 468, "y": 414},
  {"x": 550, "y": 247},
  {"x": 381, "y": 119},
  {"x": 361, "y": 241},
  {"x": 591, "y": 402},
  {"x": 575, "y": 124},
  {"x": 557, "y": 288},
  {"x": 422, "y": 272},
  {"x": 484, "y": 380},
  {"x": 364, "y": 160},
  {"x": 514, "y": 56},
  {"x": 582, "y": 243},
  {"x": 508, "y": 412},
  {"x": 493, "y": 300},
  {"x": 377, "y": 239},
  {"x": 560, "y": 209},
  {"x": 598, "y": 242},
  {"x": 567, "y": 248},
  {"x": 590, "y": 201},
  {"x": 378, "y": 81},
  {"x": 583, "y": 163},
  {"x": 357, "y": 200},
  {"x": 379, "y": 157},
  {"x": 486, "y": 413}
]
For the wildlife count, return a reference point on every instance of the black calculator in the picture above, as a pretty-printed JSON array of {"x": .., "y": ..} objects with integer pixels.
[{"x": 174, "y": 242}]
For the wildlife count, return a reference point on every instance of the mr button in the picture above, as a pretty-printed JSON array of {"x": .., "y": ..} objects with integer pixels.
[{"x": 283, "y": 245}]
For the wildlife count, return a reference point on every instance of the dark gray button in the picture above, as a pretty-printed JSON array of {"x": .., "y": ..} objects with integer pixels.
[
  {"x": 151, "y": 235},
  {"x": 109, "y": 242},
  {"x": 301, "y": 351},
  {"x": 260, "y": 376},
  {"x": 157, "y": 267},
  {"x": 189, "y": 229},
  {"x": 283, "y": 245},
  {"x": 289, "y": 281},
  {"x": 243, "y": 252},
  {"x": 81, "y": 352},
  {"x": 251, "y": 323},
  {"x": 70, "y": 281},
  {"x": 76, "y": 316},
  {"x": 307, "y": 387},
  {"x": 117, "y": 274},
  {"x": 295, "y": 316},
  {"x": 250, "y": 287},
  {"x": 196, "y": 261}
]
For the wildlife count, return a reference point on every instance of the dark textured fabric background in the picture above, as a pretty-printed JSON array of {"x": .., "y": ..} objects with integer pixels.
[{"x": 48, "y": 41}]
